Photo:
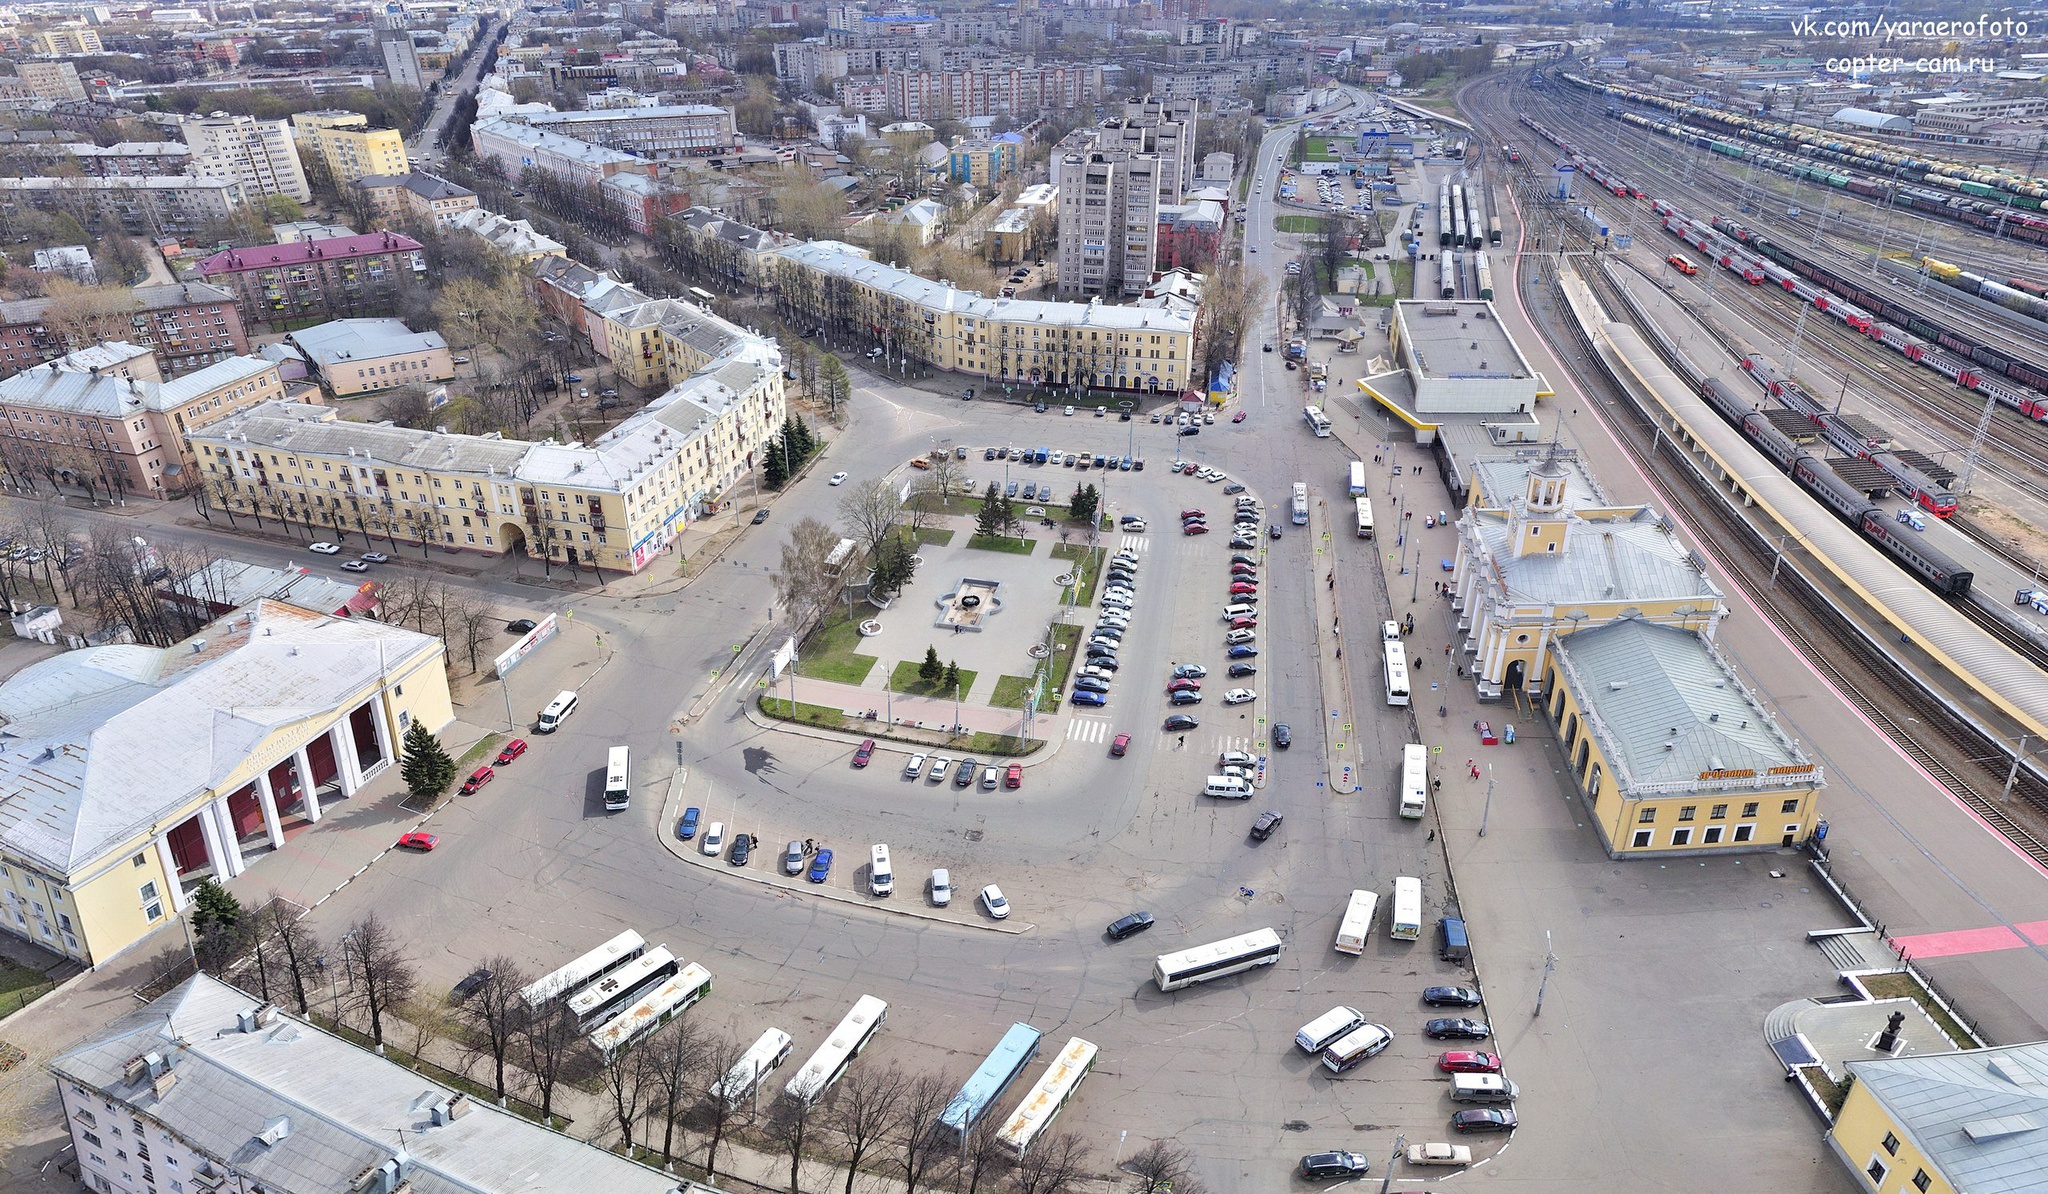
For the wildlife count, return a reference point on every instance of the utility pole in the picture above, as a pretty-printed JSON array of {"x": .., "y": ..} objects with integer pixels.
[
  {"x": 1549, "y": 965},
  {"x": 1486, "y": 816},
  {"x": 1387, "y": 1174}
]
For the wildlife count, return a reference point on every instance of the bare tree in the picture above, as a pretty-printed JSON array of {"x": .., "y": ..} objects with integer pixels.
[
  {"x": 380, "y": 974},
  {"x": 674, "y": 1056},
  {"x": 872, "y": 509},
  {"x": 1162, "y": 1166},
  {"x": 923, "y": 1139},
  {"x": 864, "y": 1111},
  {"x": 545, "y": 1040},
  {"x": 717, "y": 1110},
  {"x": 627, "y": 1082},
  {"x": 426, "y": 1021},
  {"x": 287, "y": 945},
  {"x": 983, "y": 1152},
  {"x": 1053, "y": 1164},
  {"x": 804, "y": 585},
  {"x": 789, "y": 1126},
  {"x": 493, "y": 1014}
]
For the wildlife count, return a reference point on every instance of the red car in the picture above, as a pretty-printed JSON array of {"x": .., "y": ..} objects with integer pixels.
[
  {"x": 1195, "y": 528},
  {"x": 1014, "y": 777},
  {"x": 1245, "y": 623},
  {"x": 1187, "y": 514},
  {"x": 1119, "y": 745},
  {"x": 1185, "y": 684},
  {"x": 1468, "y": 1061},
  {"x": 513, "y": 750},
  {"x": 477, "y": 779},
  {"x": 1243, "y": 587},
  {"x": 865, "y": 753},
  {"x": 422, "y": 842},
  {"x": 1238, "y": 417}
]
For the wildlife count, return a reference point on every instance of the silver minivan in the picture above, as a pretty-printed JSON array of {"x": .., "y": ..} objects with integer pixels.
[{"x": 1482, "y": 1088}]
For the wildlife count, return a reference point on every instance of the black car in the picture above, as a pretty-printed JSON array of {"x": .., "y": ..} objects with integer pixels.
[
  {"x": 1233, "y": 487},
  {"x": 1243, "y": 541},
  {"x": 1283, "y": 737},
  {"x": 1263, "y": 827},
  {"x": 1324, "y": 1165},
  {"x": 1182, "y": 721},
  {"x": 519, "y": 627},
  {"x": 1450, "y": 997},
  {"x": 963, "y": 775},
  {"x": 1097, "y": 684},
  {"x": 469, "y": 985},
  {"x": 1190, "y": 430},
  {"x": 742, "y": 846},
  {"x": 1273, "y": 531},
  {"x": 1484, "y": 1119},
  {"x": 1106, "y": 662},
  {"x": 1243, "y": 558},
  {"x": 1126, "y": 575},
  {"x": 1128, "y": 926},
  {"x": 1040, "y": 408},
  {"x": 1242, "y": 669},
  {"x": 761, "y": 516},
  {"x": 1457, "y": 1028}
]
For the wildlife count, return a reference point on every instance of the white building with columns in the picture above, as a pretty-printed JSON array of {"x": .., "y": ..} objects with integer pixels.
[{"x": 128, "y": 774}]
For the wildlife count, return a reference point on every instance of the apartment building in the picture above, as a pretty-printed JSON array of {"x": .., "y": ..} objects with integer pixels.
[
  {"x": 517, "y": 147},
  {"x": 1109, "y": 222},
  {"x": 413, "y": 197},
  {"x": 148, "y": 205},
  {"x": 131, "y": 159},
  {"x": 740, "y": 253},
  {"x": 345, "y": 148},
  {"x": 1022, "y": 91},
  {"x": 1139, "y": 348},
  {"x": 259, "y": 154},
  {"x": 345, "y": 275},
  {"x": 515, "y": 239},
  {"x": 186, "y": 326},
  {"x": 51, "y": 80},
  {"x": 124, "y": 435},
  {"x": 63, "y": 43},
  {"x": 983, "y": 162},
  {"x": 362, "y": 356},
  {"x": 660, "y": 133}
]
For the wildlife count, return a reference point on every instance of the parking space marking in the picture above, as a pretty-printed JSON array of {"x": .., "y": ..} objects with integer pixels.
[{"x": 1087, "y": 729}]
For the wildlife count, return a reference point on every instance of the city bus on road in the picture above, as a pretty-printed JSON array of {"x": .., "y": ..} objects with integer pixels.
[
  {"x": 1301, "y": 503},
  {"x": 1318, "y": 422},
  {"x": 1216, "y": 959},
  {"x": 618, "y": 779},
  {"x": 1357, "y": 923},
  {"x": 588, "y": 968},
  {"x": 1365, "y": 518},
  {"x": 1397, "y": 674},
  {"x": 1357, "y": 477},
  {"x": 1035, "y": 1114},
  {"x": 992, "y": 1078},
  {"x": 1407, "y": 923},
  {"x": 1414, "y": 790}
]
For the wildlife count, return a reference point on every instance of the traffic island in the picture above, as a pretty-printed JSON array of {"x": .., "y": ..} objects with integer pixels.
[{"x": 914, "y": 733}]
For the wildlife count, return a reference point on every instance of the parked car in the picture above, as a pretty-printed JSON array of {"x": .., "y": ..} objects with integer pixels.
[
  {"x": 1184, "y": 684},
  {"x": 941, "y": 887},
  {"x": 1195, "y": 528},
  {"x": 1094, "y": 700},
  {"x": 1189, "y": 671},
  {"x": 686, "y": 825},
  {"x": 374, "y": 557},
  {"x": 992, "y": 896},
  {"x": 1181, "y": 721},
  {"x": 422, "y": 842},
  {"x": 821, "y": 866},
  {"x": 1450, "y": 997},
  {"x": 1241, "y": 651},
  {"x": 1484, "y": 1119},
  {"x": 1184, "y": 698},
  {"x": 325, "y": 549},
  {"x": 714, "y": 839},
  {"x": 511, "y": 751},
  {"x": 477, "y": 779},
  {"x": 742, "y": 849},
  {"x": 470, "y": 984},
  {"x": 793, "y": 857},
  {"x": 1013, "y": 776},
  {"x": 1128, "y": 926},
  {"x": 963, "y": 772},
  {"x": 519, "y": 626},
  {"x": 1468, "y": 1061},
  {"x": 1439, "y": 1154},
  {"x": 864, "y": 753},
  {"x": 1317, "y": 1166},
  {"x": 1243, "y": 669},
  {"x": 760, "y": 516},
  {"x": 1457, "y": 1028},
  {"x": 1240, "y": 696}
]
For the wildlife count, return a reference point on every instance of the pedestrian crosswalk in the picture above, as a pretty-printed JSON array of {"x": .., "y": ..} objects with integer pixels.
[
  {"x": 1083, "y": 728},
  {"x": 1229, "y": 742},
  {"x": 1135, "y": 543}
]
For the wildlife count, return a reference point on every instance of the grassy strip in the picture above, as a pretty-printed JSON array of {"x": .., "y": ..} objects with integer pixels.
[
  {"x": 905, "y": 680},
  {"x": 487, "y": 746},
  {"x": 829, "y": 654},
  {"x": 21, "y": 986},
  {"x": 1088, "y": 564},
  {"x": 1014, "y": 546},
  {"x": 1302, "y": 224},
  {"x": 816, "y": 715},
  {"x": 1832, "y": 1093},
  {"x": 1065, "y": 638},
  {"x": 1903, "y": 986},
  {"x": 1319, "y": 150},
  {"x": 933, "y": 536},
  {"x": 1010, "y": 692},
  {"x": 833, "y": 719}
]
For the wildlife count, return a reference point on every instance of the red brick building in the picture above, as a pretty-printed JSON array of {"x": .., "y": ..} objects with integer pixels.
[
  {"x": 187, "y": 326},
  {"x": 342, "y": 277}
]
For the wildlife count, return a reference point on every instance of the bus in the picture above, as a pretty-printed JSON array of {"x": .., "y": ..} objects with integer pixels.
[
  {"x": 1216, "y": 959},
  {"x": 1414, "y": 780},
  {"x": 702, "y": 297},
  {"x": 847, "y": 1040},
  {"x": 1318, "y": 422},
  {"x": 1397, "y": 674},
  {"x": 1682, "y": 265},
  {"x": 992, "y": 1078},
  {"x": 618, "y": 779},
  {"x": 599, "y": 1001},
  {"x": 588, "y": 968},
  {"x": 1036, "y": 1113},
  {"x": 1357, "y": 477},
  {"x": 656, "y": 1008},
  {"x": 1407, "y": 925},
  {"x": 1301, "y": 503},
  {"x": 1365, "y": 518},
  {"x": 1357, "y": 923},
  {"x": 760, "y": 1059}
]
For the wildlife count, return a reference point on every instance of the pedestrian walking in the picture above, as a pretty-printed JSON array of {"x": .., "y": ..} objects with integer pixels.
[
  {"x": 1475, "y": 771},
  {"x": 1447, "y": 650},
  {"x": 1437, "y": 784}
]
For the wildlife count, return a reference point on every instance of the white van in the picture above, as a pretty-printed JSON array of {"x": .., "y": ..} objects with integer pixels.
[
  {"x": 1323, "y": 1031},
  {"x": 557, "y": 712},
  {"x": 1229, "y": 787},
  {"x": 1390, "y": 632},
  {"x": 1482, "y": 1088},
  {"x": 1239, "y": 610},
  {"x": 1364, "y": 1041},
  {"x": 881, "y": 879}
]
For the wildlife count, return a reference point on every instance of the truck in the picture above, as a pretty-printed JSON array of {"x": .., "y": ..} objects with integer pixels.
[
  {"x": 1439, "y": 1154},
  {"x": 1297, "y": 349},
  {"x": 2038, "y": 598}
]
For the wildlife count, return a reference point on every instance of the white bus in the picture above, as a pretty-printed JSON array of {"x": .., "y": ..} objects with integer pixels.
[
  {"x": 1397, "y": 674},
  {"x": 1365, "y": 518},
  {"x": 1358, "y": 918},
  {"x": 1216, "y": 959},
  {"x": 1357, "y": 478},
  {"x": 1318, "y": 422},
  {"x": 599, "y": 1001},
  {"x": 656, "y": 1008},
  {"x": 760, "y": 1059},
  {"x": 1036, "y": 1113},
  {"x": 1414, "y": 791},
  {"x": 1301, "y": 503},
  {"x": 591, "y": 966},
  {"x": 1407, "y": 924},
  {"x": 618, "y": 779},
  {"x": 847, "y": 1040}
]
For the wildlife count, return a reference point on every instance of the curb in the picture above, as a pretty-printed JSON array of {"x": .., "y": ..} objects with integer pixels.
[{"x": 669, "y": 813}]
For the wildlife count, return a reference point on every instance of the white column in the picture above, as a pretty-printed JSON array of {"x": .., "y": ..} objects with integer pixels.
[
  {"x": 345, "y": 755},
  {"x": 169, "y": 862},
  {"x": 216, "y": 854},
  {"x": 268, "y": 800},
  {"x": 379, "y": 720},
  {"x": 228, "y": 844},
  {"x": 304, "y": 765}
]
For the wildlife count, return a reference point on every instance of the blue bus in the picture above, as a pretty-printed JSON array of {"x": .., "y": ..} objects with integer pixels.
[{"x": 998, "y": 1070}]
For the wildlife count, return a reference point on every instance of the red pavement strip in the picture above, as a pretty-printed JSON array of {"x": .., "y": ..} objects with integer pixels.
[{"x": 1972, "y": 941}]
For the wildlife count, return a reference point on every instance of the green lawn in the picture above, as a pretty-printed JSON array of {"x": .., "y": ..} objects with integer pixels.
[
  {"x": 1303, "y": 224},
  {"x": 1010, "y": 692},
  {"x": 1902, "y": 986},
  {"x": 21, "y": 986},
  {"x": 1011, "y": 544},
  {"x": 1089, "y": 561},
  {"x": 1320, "y": 149},
  {"x": 831, "y": 653},
  {"x": 488, "y": 746},
  {"x": 817, "y": 715},
  {"x": 1403, "y": 271},
  {"x": 1064, "y": 639},
  {"x": 905, "y": 680},
  {"x": 934, "y": 536}
]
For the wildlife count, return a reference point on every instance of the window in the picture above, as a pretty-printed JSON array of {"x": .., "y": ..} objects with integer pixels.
[
  {"x": 1681, "y": 837},
  {"x": 1749, "y": 810},
  {"x": 1647, "y": 817},
  {"x": 1686, "y": 811},
  {"x": 1745, "y": 833},
  {"x": 1642, "y": 839},
  {"x": 1719, "y": 813},
  {"x": 1876, "y": 1171},
  {"x": 1790, "y": 806},
  {"x": 152, "y": 904},
  {"x": 1713, "y": 836}
]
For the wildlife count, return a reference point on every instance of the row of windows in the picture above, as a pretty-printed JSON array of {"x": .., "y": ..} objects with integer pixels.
[
  {"x": 1689, "y": 812},
  {"x": 1646, "y": 838}
]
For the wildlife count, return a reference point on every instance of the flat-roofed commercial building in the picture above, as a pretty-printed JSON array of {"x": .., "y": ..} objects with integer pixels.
[
  {"x": 518, "y": 147},
  {"x": 362, "y": 356},
  {"x": 660, "y": 132}
]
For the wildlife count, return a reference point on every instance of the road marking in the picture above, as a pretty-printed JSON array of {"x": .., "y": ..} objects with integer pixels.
[
  {"x": 1087, "y": 729},
  {"x": 1971, "y": 941},
  {"x": 1135, "y": 543}
]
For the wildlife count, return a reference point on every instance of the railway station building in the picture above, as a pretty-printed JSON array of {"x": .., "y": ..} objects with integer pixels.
[
  {"x": 131, "y": 773},
  {"x": 1937, "y": 1123}
]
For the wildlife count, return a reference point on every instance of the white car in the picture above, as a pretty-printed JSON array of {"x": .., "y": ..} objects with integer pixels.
[
  {"x": 325, "y": 549},
  {"x": 838, "y": 479},
  {"x": 714, "y": 839},
  {"x": 1240, "y": 696},
  {"x": 1237, "y": 758},
  {"x": 1136, "y": 526},
  {"x": 941, "y": 767},
  {"x": 942, "y": 887},
  {"x": 992, "y": 899},
  {"x": 1238, "y": 636},
  {"x": 914, "y": 768},
  {"x": 1067, "y": 411}
]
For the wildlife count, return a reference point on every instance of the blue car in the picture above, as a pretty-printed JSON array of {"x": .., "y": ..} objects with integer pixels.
[
  {"x": 821, "y": 866},
  {"x": 1242, "y": 651},
  {"x": 1084, "y": 697},
  {"x": 687, "y": 827}
]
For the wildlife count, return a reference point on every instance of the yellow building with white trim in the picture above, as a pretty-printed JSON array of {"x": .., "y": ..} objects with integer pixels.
[{"x": 1939, "y": 1123}]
